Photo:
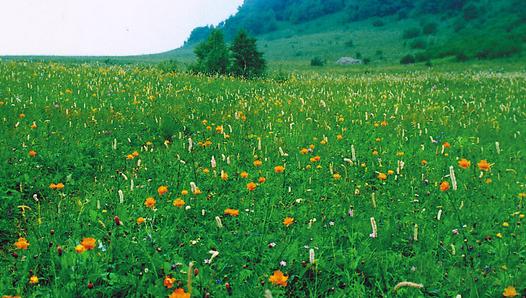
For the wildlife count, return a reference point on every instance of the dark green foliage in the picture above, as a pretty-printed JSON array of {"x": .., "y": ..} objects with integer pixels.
[
  {"x": 378, "y": 23},
  {"x": 422, "y": 56},
  {"x": 411, "y": 33},
  {"x": 499, "y": 49},
  {"x": 430, "y": 28},
  {"x": 247, "y": 61},
  {"x": 199, "y": 34},
  {"x": 408, "y": 59},
  {"x": 317, "y": 61},
  {"x": 461, "y": 57},
  {"x": 418, "y": 43},
  {"x": 212, "y": 55},
  {"x": 349, "y": 43},
  {"x": 470, "y": 12}
]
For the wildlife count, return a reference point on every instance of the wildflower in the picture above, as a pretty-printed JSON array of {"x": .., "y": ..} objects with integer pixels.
[
  {"x": 288, "y": 221},
  {"x": 243, "y": 175},
  {"x": 22, "y": 243},
  {"x": 510, "y": 292},
  {"x": 162, "y": 190},
  {"x": 375, "y": 152},
  {"x": 179, "y": 293},
  {"x": 232, "y": 212},
  {"x": 384, "y": 123},
  {"x": 258, "y": 163},
  {"x": 135, "y": 154},
  {"x": 444, "y": 186},
  {"x": 150, "y": 202},
  {"x": 34, "y": 125},
  {"x": 262, "y": 179},
  {"x": 424, "y": 162},
  {"x": 279, "y": 169},
  {"x": 88, "y": 243},
  {"x": 206, "y": 171},
  {"x": 179, "y": 203},
  {"x": 22, "y": 116},
  {"x": 304, "y": 151},
  {"x": 505, "y": 224},
  {"x": 499, "y": 235},
  {"x": 446, "y": 145},
  {"x": 224, "y": 176},
  {"x": 382, "y": 176},
  {"x": 251, "y": 186},
  {"x": 59, "y": 186},
  {"x": 33, "y": 279},
  {"x": 184, "y": 192},
  {"x": 336, "y": 176},
  {"x": 219, "y": 129},
  {"x": 32, "y": 153},
  {"x": 339, "y": 137},
  {"x": 169, "y": 282},
  {"x": 129, "y": 156},
  {"x": 484, "y": 165},
  {"x": 80, "y": 249},
  {"x": 278, "y": 278},
  {"x": 464, "y": 163},
  {"x": 140, "y": 220},
  {"x": 390, "y": 172}
]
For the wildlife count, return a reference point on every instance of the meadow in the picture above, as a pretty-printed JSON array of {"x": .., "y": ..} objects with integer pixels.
[{"x": 124, "y": 181}]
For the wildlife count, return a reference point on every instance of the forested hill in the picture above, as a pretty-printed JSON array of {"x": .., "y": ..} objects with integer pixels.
[{"x": 476, "y": 28}]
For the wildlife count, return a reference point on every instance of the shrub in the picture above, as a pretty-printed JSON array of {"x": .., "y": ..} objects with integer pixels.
[
  {"x": 408, "y": 59},
  {"x": 422, "y": 56},
  {"x": 461, "y": 57},
  {"x": 378, "y": 23},
  {"x": 430, "y": 28},
  {"x": 500, "y": 49},
  {"x": 349, "y": 43},
  {"x": 418, "y": 44},
  {"x": 317, "y": 61},
  {"x": 247, "y": 61},
  {"x": 411, "y": 33}
]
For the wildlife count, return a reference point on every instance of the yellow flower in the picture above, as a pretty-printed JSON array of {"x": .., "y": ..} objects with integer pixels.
[
  {"x": 80, "y": 249},
  {"x": 304, "y": 151},
  {"x": 179, "y": 293},
  {"x": 382, "y": 176},
  {"x": 288, "y": 221},
  {"x": 499, "y": 235},
  {"x": 22, "y": 243},
  {"x": 178, "y": 203},
  {"x": 184, "y": 192},
  {"x": 88, "y": 243},
  {"x": 336, "y": 176},
  {"x": 339, "y": 137},
  {"x": 162, "y": 190},
  {"x": 390, "y": 172},
  {"x": 278, "y": 278},
  {"x": 150, "y": 202},
  {"x": 505, "y": 224},
  {"x": 232, "y": 212},
  {"x": 510, "y": 292},
  {"x": 33, "y": 279},
  {"x": 224, "y": 176},
  {"x": 258, "y": 163}
]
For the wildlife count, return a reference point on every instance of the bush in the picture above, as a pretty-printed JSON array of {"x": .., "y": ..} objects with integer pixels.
[
  {"x": 461, "y": 57},
  {"x": 349, "y": 43},
  {"x": 499, "y": 49},
  {"x": 411, "y": 33},
  {"x": 430, "y": 28},
  {"x": 378, "y": 23},
  {"x": 408, "y": 59},
  {"x": 418, "y": 44},
  {"x": 317, "y": 61},
  {"x": 422, "y": 56},
  {"x": 366, "y": 61}
]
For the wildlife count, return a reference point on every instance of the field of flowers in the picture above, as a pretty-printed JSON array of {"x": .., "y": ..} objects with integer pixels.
[{"x": 127, "y": 182}]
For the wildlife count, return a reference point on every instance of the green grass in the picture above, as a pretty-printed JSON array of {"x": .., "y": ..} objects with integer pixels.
[{"x": 89, "y": 118}]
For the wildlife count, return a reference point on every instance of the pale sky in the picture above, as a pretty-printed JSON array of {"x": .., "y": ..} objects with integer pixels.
[{"x": 104, "y": 27}]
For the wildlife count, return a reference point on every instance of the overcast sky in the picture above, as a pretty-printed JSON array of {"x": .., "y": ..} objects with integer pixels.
[{"x": 104, "y": 27}]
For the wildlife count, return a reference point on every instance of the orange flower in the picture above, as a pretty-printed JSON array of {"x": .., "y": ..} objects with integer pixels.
[
  {"x": 251, "y": 186},
  {"x": 162, "y": 190},
  {"x": 339, "y": 137},
  {"x": 444, "y": 186},
  {"x": 33, "y": 279},
  {"x": 88, "y": 243},
  {"x": 80, "y": 249},
  {"x": 232, "y": 212},
  {"x": 53, "y": 186},
  {"x": 484, "y": 165},
  {"x": 278, "y": 278},
  {"x": 243, "y": 174},
  {"x": 219, "y": 129},
  {"x": 179, "y": 293},
  {"x": 150, "y": 202},
  {"x": 135, "y": 154},
  {"x": 184, "y": 192},
  {"x": 129, "y": 156},
  {"x": 510, "y": 292},
  {"x": 32, "y": 153},
  {"x": 390, "y": 172},
  {"x": 169, "y": 282},
  {"x": 384, "y": 123},
  {"x": 304, "y": 151},
  {"x": 262, "y": 179},
  {"x": 179, "y": 203},
  {"x": 279, "y": 169},
  {"x": 317, "y": 158},
  {"x": 34, "y": 125},
  {"x": 22, "y": 116},
  {"x": 258, "y": 163},
  {"x": 60, "y": 186},
  {"x": 197, "y": 191},
  {"x": 446, "y": 145},
  {"x": 424, "y": 162},
  {"x": 336, "y": 176},
  {"x": 224, "y": 176},
  {"x": 464, "y": 163},
  {"x": 288, "y": 221},
  {"x": 140, "y": 220},
  {"x": 382, "y": 176},
  {"x": 22, "y": 243}
]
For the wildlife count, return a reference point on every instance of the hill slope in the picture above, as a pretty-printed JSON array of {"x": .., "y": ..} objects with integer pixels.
[{"x": 381, "y": 30}]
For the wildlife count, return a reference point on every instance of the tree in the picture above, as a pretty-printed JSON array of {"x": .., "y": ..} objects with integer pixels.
[
  {"x": 212, "y": 54},
  {"x": 247, "y": 61}
]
